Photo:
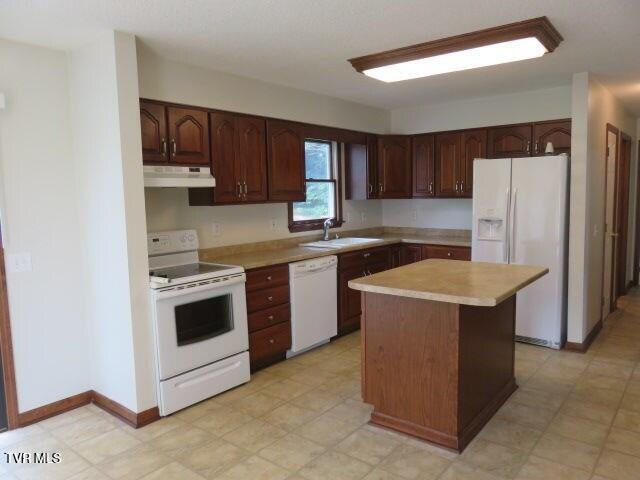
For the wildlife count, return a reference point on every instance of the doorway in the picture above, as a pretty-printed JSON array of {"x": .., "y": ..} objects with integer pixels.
[
  {"x": 610, "y": 235},
  {"x": 622, "y": 213},
  {"x": 636, "y": 253}
]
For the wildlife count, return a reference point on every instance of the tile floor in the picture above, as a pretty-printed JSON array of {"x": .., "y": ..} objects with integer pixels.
[{"x": 574, "y": 417}]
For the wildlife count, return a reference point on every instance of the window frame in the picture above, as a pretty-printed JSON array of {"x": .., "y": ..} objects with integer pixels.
[{"x": 336, "y": 152}]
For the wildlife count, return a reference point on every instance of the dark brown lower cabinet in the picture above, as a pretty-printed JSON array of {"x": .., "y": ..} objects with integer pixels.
[
  {"x": 269, "y": 315},
  {"x": 410, "y": 253}
]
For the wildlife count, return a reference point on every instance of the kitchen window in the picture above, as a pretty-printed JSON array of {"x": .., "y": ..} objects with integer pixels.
[{"x": 322, "y": 188}]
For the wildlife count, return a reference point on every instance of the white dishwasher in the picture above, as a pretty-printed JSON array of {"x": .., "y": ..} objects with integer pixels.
[{"x": 314, "y": 303}]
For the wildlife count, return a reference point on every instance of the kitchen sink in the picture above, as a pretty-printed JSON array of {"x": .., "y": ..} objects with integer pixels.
[{"x": 340, "y": 242}]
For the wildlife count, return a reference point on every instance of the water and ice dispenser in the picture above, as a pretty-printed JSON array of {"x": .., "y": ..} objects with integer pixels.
[{"x": 490, "y": 225}]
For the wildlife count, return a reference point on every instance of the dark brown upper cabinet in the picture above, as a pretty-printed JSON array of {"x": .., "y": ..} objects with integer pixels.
[
  {"x": 474, "y": 145},
  {"x": 510, "y": 141},
  {"x": 188, "y": 136},
  {"x": 361, "y": 170},
  {"x": 394, "y": 166},
  {"x": 556, "y": 132},
  {"x": 239, "y": 160},
  {"x": 423, "y": 154},
  {"x": 373, "y": 187},
  {"x": 446, "y": 164},
  {"x": 286, "y": 167},
  {"x": 174, "y": 135},
  {"x": 153, "y": 123},
  {"x": 455, "y": 153}
]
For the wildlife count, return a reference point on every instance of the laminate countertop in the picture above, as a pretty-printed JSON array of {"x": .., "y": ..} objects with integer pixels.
[
  {"x": 452, "y": 281},
  {"x": 265, "y": 258}
]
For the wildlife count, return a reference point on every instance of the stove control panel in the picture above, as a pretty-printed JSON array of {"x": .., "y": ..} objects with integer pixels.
[{"x": 174, "y": 241}]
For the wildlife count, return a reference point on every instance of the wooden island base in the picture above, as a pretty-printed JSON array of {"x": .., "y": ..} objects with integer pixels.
[{"x": 436, "y": 370}]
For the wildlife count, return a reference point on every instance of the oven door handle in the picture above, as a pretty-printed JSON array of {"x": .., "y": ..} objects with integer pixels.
[{"x": 196, "y": 287}]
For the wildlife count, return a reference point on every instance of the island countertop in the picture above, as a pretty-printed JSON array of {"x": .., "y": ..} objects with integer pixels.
[{"x": 452, "y": 281}]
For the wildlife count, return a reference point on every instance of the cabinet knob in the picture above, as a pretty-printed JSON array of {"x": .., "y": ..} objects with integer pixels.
[
  {"x": 270, "y": 317},
  {"x": 448, "y": 254},
  {"x": 268, "y": 278},
  {"x": 271, "y": 340},
  {"x": 366, "y": 255},
  {"x": 270, "y": 298}
]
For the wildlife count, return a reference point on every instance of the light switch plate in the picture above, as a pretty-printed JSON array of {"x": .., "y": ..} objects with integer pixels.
[
  {"x": 273, "y": 224},
  {"x": 18, "y": 262},
  {"x": 216, "y": 229}
]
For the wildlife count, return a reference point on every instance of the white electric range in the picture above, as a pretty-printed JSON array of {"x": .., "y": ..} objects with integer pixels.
[{"x": 200, "y": 321}]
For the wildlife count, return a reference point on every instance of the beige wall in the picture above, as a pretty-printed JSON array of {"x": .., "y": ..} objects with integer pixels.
[
  {"x": 168, "y": 208},
  {"x": 40, "y": 217},
  {"x": 593, "y": 107}
]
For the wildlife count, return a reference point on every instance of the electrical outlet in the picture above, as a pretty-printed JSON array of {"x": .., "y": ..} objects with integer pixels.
[
  {"x": 414, "y": 215},
  {"x": 216, "y": 229},
  {"x": 363, "y": 217},
  {"x": 18, "y": 262},
  {"x": 273, "y": 224}
]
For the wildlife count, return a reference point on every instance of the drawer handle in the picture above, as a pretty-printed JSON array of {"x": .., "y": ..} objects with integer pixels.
[
  {"x": 270, "y": 317},
  {"x": 366, "y": 255},
  {"x": 270, "y": 298},
  {"x": 448, "y": 254},
  {"x": 271, "y": 340},
  {"x": 269, "y": 278}
]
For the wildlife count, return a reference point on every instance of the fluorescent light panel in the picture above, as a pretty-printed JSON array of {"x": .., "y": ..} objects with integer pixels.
[{"x": 494, "y": 54}]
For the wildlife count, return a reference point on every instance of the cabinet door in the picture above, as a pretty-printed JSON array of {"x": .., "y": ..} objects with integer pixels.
[
  {"x": 447, "y": 163},
  {"x": 394, "y": 166},
  {"x": 188, "y": 136},
  {"x": 373, "y": 186},
  {"x": 422, "y": 151},
  {"x": 474, "y": 145},
  {"x": 350, "y": 308},
  {"x": 252, "y": 156},
  {"x": 356, "y": 186},
  {"x": 395, "y": 257},
  {"x": 153, "y": 123},
  {"x": 285, "y": 157},
  {"x": 511, "y": 141},
  {"x": 410, "y": 254},
  {"x": 558, "y": 133},
  {"x": 224, "y": 158}
]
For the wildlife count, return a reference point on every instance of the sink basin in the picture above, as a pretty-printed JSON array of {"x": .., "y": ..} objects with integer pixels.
[{"x": 339, "y": 242}]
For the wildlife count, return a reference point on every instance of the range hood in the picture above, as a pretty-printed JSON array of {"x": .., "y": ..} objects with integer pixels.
[{"x": 170, "y": 176}]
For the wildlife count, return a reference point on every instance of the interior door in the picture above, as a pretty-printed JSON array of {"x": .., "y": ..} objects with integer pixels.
[
  {"x": 252, "y": 153},
  {"x": 622, "y": 214},
  {"x": 446, "y": 165},
  {"x": 608, "y": 271},
  {"x": 538, "y": 226},
  {"x": 224, "y": 158}
]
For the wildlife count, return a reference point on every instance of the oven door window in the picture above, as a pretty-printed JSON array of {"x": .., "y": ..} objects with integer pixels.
[{"x": 203, "y": 320}]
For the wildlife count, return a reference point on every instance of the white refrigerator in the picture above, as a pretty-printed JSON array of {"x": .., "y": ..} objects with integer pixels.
[{"x": 520, "y": 217}]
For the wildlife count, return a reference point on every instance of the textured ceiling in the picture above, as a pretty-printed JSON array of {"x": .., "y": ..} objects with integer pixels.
[{"x": 305, "y": 43}]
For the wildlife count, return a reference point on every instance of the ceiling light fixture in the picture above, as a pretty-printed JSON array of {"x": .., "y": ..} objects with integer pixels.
[{"x": 492, "y": 46}]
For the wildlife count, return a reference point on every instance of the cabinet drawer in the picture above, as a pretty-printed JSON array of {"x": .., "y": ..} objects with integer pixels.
[
  {"x": 268, "y": 297},
  {"x": 269, "y": 342},
  {"x": 362, "y": 257},
  {"x": 268, "y": 317},
  {"x": 443, "y": 251},
  {"x": 267, "y": 277}
]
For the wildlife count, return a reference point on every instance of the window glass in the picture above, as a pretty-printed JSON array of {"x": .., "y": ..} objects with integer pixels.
[
  {"x": 317, "y": 156},
  {"x": 320, "y": 202}
]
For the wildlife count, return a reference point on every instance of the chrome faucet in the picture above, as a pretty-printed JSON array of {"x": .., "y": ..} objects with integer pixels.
[{"x": 325, "y": 229}]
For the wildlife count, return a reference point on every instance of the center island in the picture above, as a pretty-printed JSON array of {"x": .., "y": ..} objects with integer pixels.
[{"x": 438, "y": 345}]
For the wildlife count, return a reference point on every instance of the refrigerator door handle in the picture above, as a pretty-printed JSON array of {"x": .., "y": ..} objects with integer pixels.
[
  {"x": 505, "y": 239},
  {"x": 512, "y": 227}
]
